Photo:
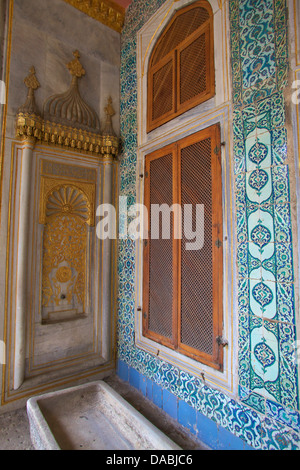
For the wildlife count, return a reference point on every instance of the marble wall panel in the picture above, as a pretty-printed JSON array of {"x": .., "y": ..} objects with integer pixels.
[{"x": 45, "y": 34}]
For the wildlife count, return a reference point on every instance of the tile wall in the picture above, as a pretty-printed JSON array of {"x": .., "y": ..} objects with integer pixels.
[{"x": 265, "y": 413}]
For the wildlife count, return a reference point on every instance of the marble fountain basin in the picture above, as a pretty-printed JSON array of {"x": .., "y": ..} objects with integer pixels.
[{"x": 92, "y": 416}]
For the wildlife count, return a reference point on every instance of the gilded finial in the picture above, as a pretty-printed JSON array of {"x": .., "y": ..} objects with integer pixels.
[
  {"x": 75, "y": 67},
  {"x": 110, "y": 112},
  {"x": 32, "y": 83}
]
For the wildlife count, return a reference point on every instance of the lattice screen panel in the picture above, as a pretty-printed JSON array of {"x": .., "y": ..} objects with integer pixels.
[
  {"x": 183, "y": 278},
  {"x": 196, "y": 265},
  {"x": 193, "y": 69},
  {"x": 162, "y": 91},
  {"x": 181, "y": 73},
  {"x": 161, "y": 252},
  {"x": 182, "y": 27}
]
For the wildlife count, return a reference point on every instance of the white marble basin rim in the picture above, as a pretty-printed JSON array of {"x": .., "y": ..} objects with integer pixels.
[{"x": 92, "y": 416}]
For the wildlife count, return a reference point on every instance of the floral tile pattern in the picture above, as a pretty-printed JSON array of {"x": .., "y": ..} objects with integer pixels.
[
  {"x": 259, "y": 34},
  {"x": 265, "y": 414}
]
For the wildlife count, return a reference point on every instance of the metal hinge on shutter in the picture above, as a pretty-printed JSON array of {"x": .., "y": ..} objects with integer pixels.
[
  {"x": 218, "y": 243},
  {"x": 217, "y": 148}
]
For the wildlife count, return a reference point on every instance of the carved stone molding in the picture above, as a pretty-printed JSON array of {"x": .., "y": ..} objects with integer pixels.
[
  {"x": 105, "y": 11},
  {"x": 67, "y": 121}
]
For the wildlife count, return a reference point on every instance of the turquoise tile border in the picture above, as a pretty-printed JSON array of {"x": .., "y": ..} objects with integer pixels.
[{"x": 206, "y": 430}]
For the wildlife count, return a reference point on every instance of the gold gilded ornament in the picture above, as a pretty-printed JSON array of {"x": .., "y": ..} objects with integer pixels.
[{"x": 63, "y": 274}]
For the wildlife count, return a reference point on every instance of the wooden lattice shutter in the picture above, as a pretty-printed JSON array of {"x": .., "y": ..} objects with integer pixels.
[
  {"x": 159, "y": 279},
  {"x": 182, "y": 25},
  {"x": 200, "y": 285},
  {"x": 194, "y": 70},
  {"x": 162, "y": 89},
  {"x": 181, "y": 66},
  {"x": 183, "y": 288}
]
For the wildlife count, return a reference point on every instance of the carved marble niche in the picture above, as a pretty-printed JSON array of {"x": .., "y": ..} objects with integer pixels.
[{"x": 62, "y": 318}]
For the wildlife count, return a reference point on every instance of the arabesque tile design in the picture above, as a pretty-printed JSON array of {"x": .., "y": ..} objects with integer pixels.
[{"x": 265, "y": 261}]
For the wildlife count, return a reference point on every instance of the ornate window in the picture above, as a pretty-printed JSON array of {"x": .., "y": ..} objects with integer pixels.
[
  {"x": 181, "y": 67},
  {"x": 185, "y": 314},
  {"x": 182, "y": 288}
]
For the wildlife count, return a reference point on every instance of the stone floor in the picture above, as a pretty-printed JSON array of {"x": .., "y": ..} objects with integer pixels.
[
  {"x": 14, "y": 426},
  {"x": 14, "y": 431}
]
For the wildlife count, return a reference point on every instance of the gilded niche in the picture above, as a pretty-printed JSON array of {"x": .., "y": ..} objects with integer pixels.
[
  {"x": 67, "y": 120},
  {"x": 66, "y": 212}
]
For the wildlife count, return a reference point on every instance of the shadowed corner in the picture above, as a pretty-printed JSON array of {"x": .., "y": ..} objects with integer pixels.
[
  {"x": 2, "y": 353},
  {"x": 2, "y": 92}
]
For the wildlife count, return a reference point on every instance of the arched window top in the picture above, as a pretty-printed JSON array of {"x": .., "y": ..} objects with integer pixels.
[
  {"x": 183, "y": 24},
  {"x": 181, "y": 67}
]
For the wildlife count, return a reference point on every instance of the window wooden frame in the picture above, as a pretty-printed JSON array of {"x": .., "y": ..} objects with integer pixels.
[
  {"x": 214, "y": 360},
  {"x": 180, "y": 108}
]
